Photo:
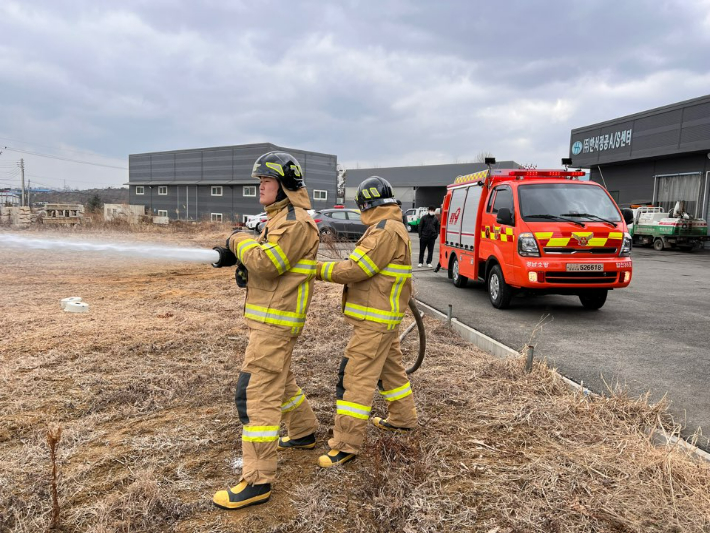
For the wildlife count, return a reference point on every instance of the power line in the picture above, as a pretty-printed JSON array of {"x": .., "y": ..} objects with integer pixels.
[
  {"x": 63, "y": 158},
  {"x": 55, "y": 178},
  {"x": 48, "y": 146}
]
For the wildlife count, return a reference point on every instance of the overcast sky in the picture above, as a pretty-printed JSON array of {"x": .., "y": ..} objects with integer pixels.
[{"x": 383, "y": 82}]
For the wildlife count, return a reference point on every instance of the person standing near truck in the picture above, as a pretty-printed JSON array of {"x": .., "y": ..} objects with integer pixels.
[
  {"x": 377, "y": 279},
  {"x": 428, "y": 233},
  {"x": 279, "y": 268}
]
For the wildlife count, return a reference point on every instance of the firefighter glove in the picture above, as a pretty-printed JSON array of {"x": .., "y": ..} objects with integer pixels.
[{"x": 242, "y": 276}]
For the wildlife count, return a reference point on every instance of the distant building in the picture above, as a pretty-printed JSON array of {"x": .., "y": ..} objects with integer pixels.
[
  {"x": 215, "y": 183},
  {"x": 657, "y": 156},
  {"x": 419, "y": 186},
  {"x": 9, "y": 199}
]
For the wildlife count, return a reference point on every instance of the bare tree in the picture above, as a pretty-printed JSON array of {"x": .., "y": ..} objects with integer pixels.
[{"x": 481, "y": 157}]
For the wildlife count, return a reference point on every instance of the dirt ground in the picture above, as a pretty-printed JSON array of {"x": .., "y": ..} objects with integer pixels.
[{"x": 142, "y": 388}]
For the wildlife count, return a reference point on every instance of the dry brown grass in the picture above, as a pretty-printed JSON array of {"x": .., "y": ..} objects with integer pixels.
[{"x": 142, "y": 387}]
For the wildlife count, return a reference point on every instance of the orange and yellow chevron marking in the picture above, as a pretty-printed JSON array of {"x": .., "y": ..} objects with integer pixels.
[
  {"x": 507, "y": 236},
  {"x": 580, "y": 238},
  {"x": 483, "y": 174},
  {"x": 497, "y": 233}
]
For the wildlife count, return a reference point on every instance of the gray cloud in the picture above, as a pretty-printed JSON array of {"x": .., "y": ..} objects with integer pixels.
[{"x": 391, "y": 82}]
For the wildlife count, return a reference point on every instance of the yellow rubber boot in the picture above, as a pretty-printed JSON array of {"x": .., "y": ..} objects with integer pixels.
[{"x": 242, "y": 495}]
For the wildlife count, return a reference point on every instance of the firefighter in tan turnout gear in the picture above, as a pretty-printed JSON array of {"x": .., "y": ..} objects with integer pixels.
[
  {"x": 280, "y": 267},
  {"x": 378, "y": 285}
]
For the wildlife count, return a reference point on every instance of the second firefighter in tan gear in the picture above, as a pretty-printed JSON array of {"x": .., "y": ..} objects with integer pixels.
[
  {"x": 378, "y": 286},
  {"x": 281, "y": 266}
]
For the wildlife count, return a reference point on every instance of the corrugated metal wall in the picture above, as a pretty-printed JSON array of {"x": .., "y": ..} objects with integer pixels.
[
  {"x": 668, "y": 131},
  {"x": 634, "y": 180},
  {"x": 190, "y": 174}
]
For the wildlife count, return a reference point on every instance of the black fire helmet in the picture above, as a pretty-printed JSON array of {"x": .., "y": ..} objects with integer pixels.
[
  {"x": 373, "y": 192},
  {"x": 281, "y": 166}
]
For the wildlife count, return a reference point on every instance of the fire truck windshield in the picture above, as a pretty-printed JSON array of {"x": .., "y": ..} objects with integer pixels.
[{"x": 582, "y": 202}]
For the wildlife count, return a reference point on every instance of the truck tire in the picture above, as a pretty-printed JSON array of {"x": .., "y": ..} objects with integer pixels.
[
  {"x": 658, "y": 244},
  {"x": 499, "y": 292},
  {"x": 593, "y": 299},
  {"x": 459, "y": 280}
]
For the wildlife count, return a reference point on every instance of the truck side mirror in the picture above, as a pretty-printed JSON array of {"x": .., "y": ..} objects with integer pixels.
[
  {"x": 628, "y": 215},
  {"x": 505, "y": 217}
]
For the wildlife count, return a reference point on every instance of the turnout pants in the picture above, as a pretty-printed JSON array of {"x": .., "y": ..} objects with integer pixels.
[
  {"x": 267, "y": 394},
  {"x": 372, "y": 360},
  {"x": 427, "y": 243}
]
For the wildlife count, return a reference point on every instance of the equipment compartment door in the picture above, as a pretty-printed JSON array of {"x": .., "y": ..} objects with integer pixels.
[
  {"x": 468, "y": 225},
  {"x": 453, "y": 224}
]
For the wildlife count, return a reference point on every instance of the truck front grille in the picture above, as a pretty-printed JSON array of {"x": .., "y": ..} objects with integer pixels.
[
  {"x": 560, "y": 250},
  {"x": 587, "y": 278}
]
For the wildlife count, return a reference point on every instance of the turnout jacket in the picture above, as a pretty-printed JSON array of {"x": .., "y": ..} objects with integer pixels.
[
  {"x": 378, "y": 274},
  {"x": 281, "y": 265}
]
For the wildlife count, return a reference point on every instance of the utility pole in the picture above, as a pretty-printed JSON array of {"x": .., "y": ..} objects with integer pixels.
[
  {"x": 29, "y": 190},
  {"x": 22, "y": 169}
]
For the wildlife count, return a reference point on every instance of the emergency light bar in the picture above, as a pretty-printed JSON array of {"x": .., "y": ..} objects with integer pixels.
[{"x": 541, "y": 173}]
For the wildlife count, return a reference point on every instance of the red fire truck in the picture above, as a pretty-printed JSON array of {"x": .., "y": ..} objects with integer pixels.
[{"x": 542, "y": 231}]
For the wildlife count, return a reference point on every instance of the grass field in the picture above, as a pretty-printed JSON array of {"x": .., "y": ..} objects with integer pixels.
[{"x": 142, "y": 388}]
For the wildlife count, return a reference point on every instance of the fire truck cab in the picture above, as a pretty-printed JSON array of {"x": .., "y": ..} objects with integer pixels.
[{"x": 535, "y": 231}]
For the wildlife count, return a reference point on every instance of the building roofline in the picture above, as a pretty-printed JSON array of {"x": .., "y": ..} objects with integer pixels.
[
  {"x": 249, "y": 145},
  {"x": 205, "y": 183},
  {"x": 642, "y": 114}
]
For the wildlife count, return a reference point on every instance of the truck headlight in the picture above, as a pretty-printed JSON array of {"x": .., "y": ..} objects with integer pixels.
[
  {"x": 626, "y": 246},
  {"x": 527, "y": 245}
]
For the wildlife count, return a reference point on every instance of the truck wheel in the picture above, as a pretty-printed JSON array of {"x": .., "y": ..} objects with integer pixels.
[
  {"x": 658, "y": 244},
  {"x": 499, "y": 292},
  {"x": 459, "y": 280},
  {"x": 593, "y": 299}
]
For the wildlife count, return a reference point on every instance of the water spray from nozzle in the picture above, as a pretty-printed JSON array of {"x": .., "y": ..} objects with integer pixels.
[{"x": 143, "y": 251}]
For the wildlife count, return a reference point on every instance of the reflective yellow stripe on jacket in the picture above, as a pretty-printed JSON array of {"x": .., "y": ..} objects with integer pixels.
[
  {"x": 364, "y": 262},
  {"x": 372, "y": 314},
  {"x": 307, "y": 267},
  {"x": 327, "y": 270},
  {"x": 269, "y": 315},
  {"x": 272, "y": 250},
  {"x": 296, "y": 320},
  {"x": 394, "y": 316}
]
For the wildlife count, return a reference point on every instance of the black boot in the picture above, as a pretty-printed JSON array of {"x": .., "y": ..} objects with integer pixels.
[
  {"x": 243, "y": 495},
  {"x": 304, "y": 443}
]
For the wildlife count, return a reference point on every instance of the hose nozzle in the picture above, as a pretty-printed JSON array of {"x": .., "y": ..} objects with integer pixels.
[{"x": 226, "y": 257}]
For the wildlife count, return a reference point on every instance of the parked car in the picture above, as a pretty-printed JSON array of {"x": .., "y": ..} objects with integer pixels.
[
  {"x": 253, "y": 221},
  {"x": 340, "y": 223},
  {"x": 415, "y": 214},
  {"x": 262, "y": 220}
]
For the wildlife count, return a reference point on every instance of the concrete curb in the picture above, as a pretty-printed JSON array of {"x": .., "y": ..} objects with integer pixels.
[{"x": 493, "y": 347}]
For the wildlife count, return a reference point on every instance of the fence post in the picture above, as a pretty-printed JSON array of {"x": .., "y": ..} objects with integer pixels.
[{"x": 529, "y": 349}]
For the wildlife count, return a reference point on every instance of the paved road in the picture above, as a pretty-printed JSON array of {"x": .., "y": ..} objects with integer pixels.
[{"x": 652, "y": 336}]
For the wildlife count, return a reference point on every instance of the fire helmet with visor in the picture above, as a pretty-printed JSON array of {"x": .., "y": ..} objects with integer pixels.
[
  {"x": 373, "y": 192},
  {"x": 281, "y": 166}
]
